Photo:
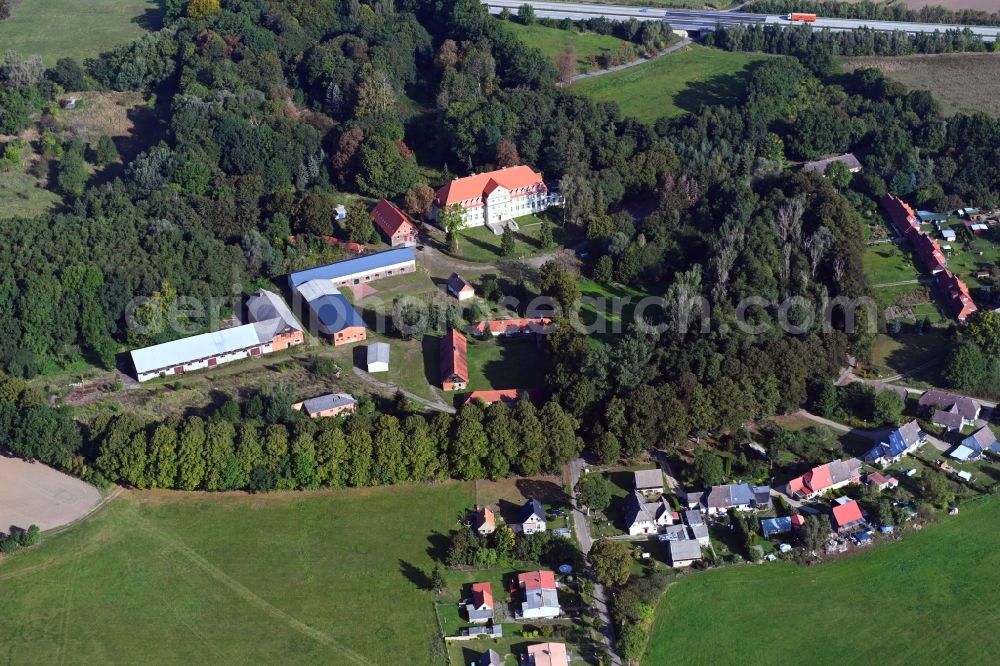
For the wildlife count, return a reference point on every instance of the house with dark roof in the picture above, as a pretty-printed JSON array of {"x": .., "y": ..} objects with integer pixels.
[
  {"x": 963, "y": 411},
  {"x": 902, "y": 441},
  {"x": 480, "y": 607},
  {"x": 332, "y": 404},
  {"x": 531, "y": 519},
  {"x": 539, "y": 597},
  {"x": 823, "y": 478},
  {"x": 642, "y": 517},
  {"x": 459, "y": 287},
  {"x": 454, "y": 361},
  {"x": 739, "y": 496},
  {"x": 847, "y": 515},
  {"x": 394, "y": 225}
]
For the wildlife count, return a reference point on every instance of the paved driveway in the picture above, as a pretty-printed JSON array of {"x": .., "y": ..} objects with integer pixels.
[{"x": 35, "y": 494}]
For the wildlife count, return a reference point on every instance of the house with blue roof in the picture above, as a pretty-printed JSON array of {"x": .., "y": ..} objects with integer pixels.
[{"x": 902, "y": 441}]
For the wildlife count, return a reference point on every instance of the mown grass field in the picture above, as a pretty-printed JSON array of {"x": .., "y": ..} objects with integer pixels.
[
  {"x": 888, "y": 263},
  {"x": 503, "y": 364},
  {"x": 674, "y": 84},
  {"x": 553, "y": 41},
  {"x": 907, "y": 602},
  {"x": 479, "y": 244},
  {"x": 76, "y": 28},
  {"x": 968, "y": 82},
  {"x": 331, "y": 577}
]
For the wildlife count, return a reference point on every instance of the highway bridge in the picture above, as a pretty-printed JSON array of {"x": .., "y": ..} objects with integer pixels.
[{"x": 704, "y": 20}]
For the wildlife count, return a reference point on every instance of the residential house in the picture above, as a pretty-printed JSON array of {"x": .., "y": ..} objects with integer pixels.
[
  {"x": 454, "y": 361},
  {"x": 902, "y": 441},
  {"x": 480, "y": 608},
  {"x": 490, "y": 658},
  {"x": 546, "y": 654},
  {"x": 975, "y": 445},
  {"x": 332, "y": 315},
  {"x": 484, "y": 521},
  {"x": 378, "y": 357},
  {"x": 879, "y": 387},
  {"x": 693, "y": 517},
  {"x": 496, "y": 196},
  {"x": 642, "y": 517},
  {"x": 826, "y": 477},
  {"x": 397, "y": 229},
  {"x": 333, "y": 404},
  {"x": 964, "y": 411},
  {"x": 649, "y": 481},
  {"x": 271, "y": 328},
  {"x": 956, "y": 293},
  {"x": 902, "y": 216},
  {"x": 506, "y": 396},
  {"x": 739, "y": 496},
  {"x": 820, "y": 166},
  {"x": 881, "y": 482},
  {"x": 539, "y": 598},
  {"x": 847, "y": 515},
  {"x": 460, "y": 288},
  {"x": 512, "y": 327},
  {"x": 367, "y": 268},
  {"x": 683, "y": 553},
  {"x": 532, "y": 518}
]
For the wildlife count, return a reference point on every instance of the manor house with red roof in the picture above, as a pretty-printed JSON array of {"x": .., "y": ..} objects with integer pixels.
[{"x": 496, "y": 196}]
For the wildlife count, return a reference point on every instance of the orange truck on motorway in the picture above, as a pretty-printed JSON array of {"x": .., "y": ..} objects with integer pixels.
[{"x": 804, "y": 18}]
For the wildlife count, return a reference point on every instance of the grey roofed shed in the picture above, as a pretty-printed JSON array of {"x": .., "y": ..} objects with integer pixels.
[
  {"x": 490, "y": 658},
  {"x": 378, "y": 353},
  {"x": 265, "y": 305},
  {"x": 325, "y": 402},
  {"x": 648, "y": 478},
  {"x": 684, "y": 550}
]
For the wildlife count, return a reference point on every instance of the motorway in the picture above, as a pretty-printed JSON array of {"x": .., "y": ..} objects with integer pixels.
[{"x": 702, "y": 21}]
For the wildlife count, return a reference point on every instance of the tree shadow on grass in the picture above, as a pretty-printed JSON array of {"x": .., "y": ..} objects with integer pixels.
[
  {"x": 415, "y": 575},
  {"x": 724, "y": 89},
  {"x": 152, "y": 18},
  {"x": 547, "y": 492},
  {"x": 431, "y": 348},
  {"x": 438, "y": 548}
]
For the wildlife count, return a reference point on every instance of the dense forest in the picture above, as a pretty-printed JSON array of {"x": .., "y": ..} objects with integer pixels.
[{"x": 271, "y": 111}]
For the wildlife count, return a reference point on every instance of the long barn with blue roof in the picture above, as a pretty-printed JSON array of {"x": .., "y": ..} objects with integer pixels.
[{"x": 360, "y": 270}]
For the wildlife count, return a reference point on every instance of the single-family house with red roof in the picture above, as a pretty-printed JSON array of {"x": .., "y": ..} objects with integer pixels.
[
  {"x": 394, "y": 225},
  {"x": 454, "y": 361},
  {"x": 539, "y": 598},
  {"x": 826, "y": 477},
  {"x": 484, "y": 521},
  {"x": 480, "y": 608},
  {"x": 881, "y": 482},
  {"x": 546, "y": 654},
  {"x": 847, "y": 515}
]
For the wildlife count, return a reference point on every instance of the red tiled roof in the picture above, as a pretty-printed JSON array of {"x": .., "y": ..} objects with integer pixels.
[
  {"x": 482, "y": 595},
  {"x": 818, "y": 478},
  {"x": 501, "y": 326},
  {"x": 929, "y": 252},
  {"x": 475, "y": 187},
  {"x": 454, "y": 356},
  {"x": 900, "y": 213},
  {"x": 957, "y": 294},
  {"x": 845, "y": 514},
  {"x": 501, "y": 395},
  {"x": 798, "y": 520},
  {"x": 537, "y": 580},
  {"x": 390, "y": 219},
  {"x": 547, "y": 654}
]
